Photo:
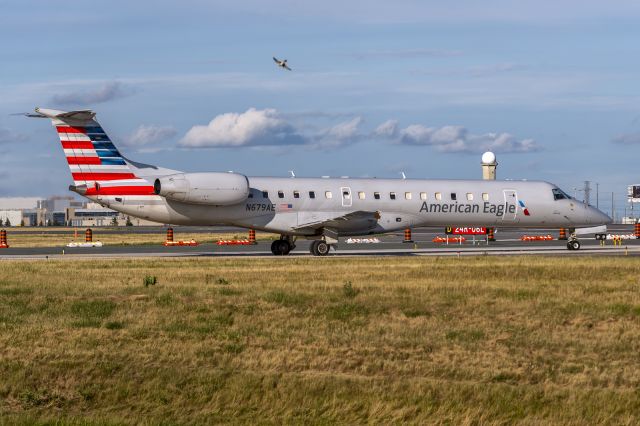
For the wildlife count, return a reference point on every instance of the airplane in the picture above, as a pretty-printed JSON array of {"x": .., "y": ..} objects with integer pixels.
[
  {"x": 281, "y": 63},
  {"x": 320, "y": 209}
]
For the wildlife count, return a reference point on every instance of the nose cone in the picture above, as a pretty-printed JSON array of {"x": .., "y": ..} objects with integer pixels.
[{"x": 597, "y": 217}]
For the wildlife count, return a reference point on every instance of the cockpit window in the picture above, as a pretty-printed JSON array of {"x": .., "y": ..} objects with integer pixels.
[{"x": 559, "y": 194}]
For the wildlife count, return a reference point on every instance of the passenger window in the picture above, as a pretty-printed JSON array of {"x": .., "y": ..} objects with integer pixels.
[
  {"x": 328, "y": 194},
  {"x": 454, "y": 196},
  {"x": 346, "y": 195},
  {"x": 280, "y": 194},
  {"x": 265, "y": 194},
  {"x": 251, "y": 195},
  {"x": 376, "y": 195},
  {"x": 407, "y": 195},
  {"x": 423, "y": 195},
  {"x": 485, "y": 196},
  {"x": 312, "y": 194},
  {"x": 392, "y": 195},
  {"x": 361, "y": 195},
  {"x": 469, "y": 196},
  {"x": 438, "y": 196},
  {"x": 296, "y": 194}
]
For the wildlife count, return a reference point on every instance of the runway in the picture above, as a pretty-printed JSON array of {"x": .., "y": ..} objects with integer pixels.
[{"x": 508, "y": 243}]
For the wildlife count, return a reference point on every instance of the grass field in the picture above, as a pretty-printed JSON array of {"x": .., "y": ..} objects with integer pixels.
[
  {"x": 17, "y": 237},
  {"x": 321, "y": 340}
]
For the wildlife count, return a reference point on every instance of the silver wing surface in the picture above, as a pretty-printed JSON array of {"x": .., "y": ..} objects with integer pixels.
[{"x": 357, "y": 221}]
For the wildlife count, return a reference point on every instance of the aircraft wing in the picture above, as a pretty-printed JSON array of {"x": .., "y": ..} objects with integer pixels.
[
  {"x": 287, "y": 67},
  {"x": 354, "y": 220}
]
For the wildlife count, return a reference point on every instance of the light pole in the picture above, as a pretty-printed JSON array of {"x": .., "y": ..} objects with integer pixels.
[
  {"x": 613, "y": 213},
  {"x": 597, "y": 193}
]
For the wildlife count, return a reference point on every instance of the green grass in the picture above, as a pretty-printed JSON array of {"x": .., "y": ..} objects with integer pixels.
[
  {"x": 321, "y": 341},
  {"x": 91, "y": 313}
]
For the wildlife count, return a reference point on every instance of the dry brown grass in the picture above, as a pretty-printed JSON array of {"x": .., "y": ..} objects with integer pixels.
[
  {"x": 17, "y": 237},
  {"x": 309, "y": 340}
]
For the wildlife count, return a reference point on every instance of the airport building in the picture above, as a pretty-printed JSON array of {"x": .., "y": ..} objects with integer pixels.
[
  {"x": 10, "y": 217},
  {"x": 93, "y": 214},
  {"x": 62, "y": 211}
]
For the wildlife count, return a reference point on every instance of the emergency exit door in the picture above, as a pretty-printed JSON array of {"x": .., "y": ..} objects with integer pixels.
[{"x": 510, "y": 205}]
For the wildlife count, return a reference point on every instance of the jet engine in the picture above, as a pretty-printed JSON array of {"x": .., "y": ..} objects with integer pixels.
[{"x": 216, "y": 189}]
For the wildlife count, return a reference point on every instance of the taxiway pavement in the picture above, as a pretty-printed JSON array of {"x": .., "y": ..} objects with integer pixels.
[{"x": 508, "y": 243}]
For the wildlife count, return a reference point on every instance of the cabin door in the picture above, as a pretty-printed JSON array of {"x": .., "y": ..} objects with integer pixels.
[
  {"x": 345, "y": 191},
  {"x": 510, "y": 205}
]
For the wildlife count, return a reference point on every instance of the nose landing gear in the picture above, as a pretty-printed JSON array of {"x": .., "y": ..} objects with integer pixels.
[{"x": 573, "y": 243}]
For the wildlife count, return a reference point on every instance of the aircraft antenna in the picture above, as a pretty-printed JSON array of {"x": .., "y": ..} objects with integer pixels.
[
  {"x": 292, "y": 173},
  {"x": 403, "y": 175}
]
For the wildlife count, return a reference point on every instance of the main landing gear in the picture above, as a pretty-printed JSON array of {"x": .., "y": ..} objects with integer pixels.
[
  {"x": 319, "y": 248},
  {"x": 283, "y": 246},
  {"x": 286, "y": 243},
  {"x": 573, "y": 243}
]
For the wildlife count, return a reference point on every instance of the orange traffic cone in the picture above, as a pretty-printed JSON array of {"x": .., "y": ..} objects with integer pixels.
[
  {"x": 563, "y": 234},
  {"x": 3, "y": 239}
]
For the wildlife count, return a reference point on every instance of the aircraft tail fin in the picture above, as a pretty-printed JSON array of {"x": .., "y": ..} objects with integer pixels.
[{"x": 96, "y": 165}]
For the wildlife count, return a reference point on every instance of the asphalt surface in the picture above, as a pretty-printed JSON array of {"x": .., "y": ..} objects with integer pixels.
[{"x": 508, "y": 243}]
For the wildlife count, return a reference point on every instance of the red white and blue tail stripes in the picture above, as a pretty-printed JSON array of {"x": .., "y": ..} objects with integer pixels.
[{"x": 96, "y": 162}]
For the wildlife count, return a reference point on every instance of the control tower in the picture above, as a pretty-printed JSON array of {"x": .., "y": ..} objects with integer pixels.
[{"x": 489, "y": 166}]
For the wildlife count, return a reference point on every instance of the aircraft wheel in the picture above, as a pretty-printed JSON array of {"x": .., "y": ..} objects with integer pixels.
[
  {"x": 312, "y": 247},
  {"x": 575, "y": 245},
  {"x": 569, "y": 246},
  {"x": 280, "y": 247},
  {"x": 321, "y": 248},
  {"x": 283, "y": 248}
]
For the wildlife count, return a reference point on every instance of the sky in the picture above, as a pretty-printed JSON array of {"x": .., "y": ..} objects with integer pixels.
[{"x": 377, "y": 88}]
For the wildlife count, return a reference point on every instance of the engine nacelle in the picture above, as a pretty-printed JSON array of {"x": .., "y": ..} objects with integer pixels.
[{"x": 216, "y": 189}]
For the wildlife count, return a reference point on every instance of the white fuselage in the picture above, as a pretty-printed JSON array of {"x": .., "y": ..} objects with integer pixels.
[{"x": 303, "y": 206}]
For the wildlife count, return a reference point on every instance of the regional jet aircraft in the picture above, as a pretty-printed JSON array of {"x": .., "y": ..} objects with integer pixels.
[{"x": 322, "y": 209}]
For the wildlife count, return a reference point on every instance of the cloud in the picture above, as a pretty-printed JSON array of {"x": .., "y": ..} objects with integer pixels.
[
  {"x": 492, "y": 69},
  {"x": 454, "y": 139},
  {"x": 627, "y": 139},
  {"x": 146, "y": 134},
  {"x": 7, "y": 136},
  {"x": 268, "y": 127},
  {"x": 339, "y": 135},
  {"x": 107, "y": 92},
  {"x": 251, "y": 128},
  {"x": 387, "y": 129},
  {"x": 405, "y": 53}
]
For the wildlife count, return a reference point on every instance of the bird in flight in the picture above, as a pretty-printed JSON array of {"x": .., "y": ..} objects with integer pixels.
[{"x": 281, "y": 64}]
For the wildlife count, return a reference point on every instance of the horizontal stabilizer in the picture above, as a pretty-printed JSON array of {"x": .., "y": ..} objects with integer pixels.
[{"x": 81, "y": 115}]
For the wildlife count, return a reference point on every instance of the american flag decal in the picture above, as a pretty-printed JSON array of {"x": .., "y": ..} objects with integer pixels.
[{"x": 286, "y": 206}]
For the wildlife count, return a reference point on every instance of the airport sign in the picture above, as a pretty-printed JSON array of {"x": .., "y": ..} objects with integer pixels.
[{"x": 465, "y": 230}]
